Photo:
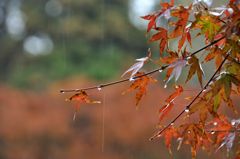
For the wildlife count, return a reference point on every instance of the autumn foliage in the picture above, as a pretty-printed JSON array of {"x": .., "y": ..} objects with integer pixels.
[{"x": 201, "y": 124}]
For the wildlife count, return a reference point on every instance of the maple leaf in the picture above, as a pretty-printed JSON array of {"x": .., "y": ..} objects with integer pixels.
[
  {"x": 228, "y": 141},
  {"x": 185, "y": 35},
  {"x": 221, "y": 128},
  {"x": 171, "y": 58},
  {"x": 137, "y": 66},
  {"x": 152, "y": 21},
  {"x": 81, "y": 97},
  {"x": 195, "y": 68},
  {"x": 178, "y": 91},
  {"x": 182, "y": 14},
  {"x": 195, "y": 136},
  {"x": 164, "y": 12},
  {"x": 162, "y": 36},
  {"x": 169, "y": 102},
  {"x": 168, "y": 135},
  {"x": 221, "y": 89},
  {"x": 176, "y": 69},
  {"x": 208, "y": 24},
  {"x": 202, "y": 107},
  {"x": 215, "y": 53},
  {"x": 140, "y": 84}
]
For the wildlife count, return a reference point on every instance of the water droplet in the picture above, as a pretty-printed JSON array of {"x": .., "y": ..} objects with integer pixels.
[
  {"x": 165, "y": 86},
  {"x": 212, "y": 132},
  {"x": 189, "y": 57},
  {"x": 74, "y": 116},
  {"x": 62, "y": 91},
  {"x": 172, "y": 124},
  {"x": 233, "y": 123},
  {"x": 215, "y": 123},
  {"x": 160, "y": 70},
  {"x": 131, "y": 79},
  {"x": 204, "y": 90},
  {"x": 99, "y": 88},
  {"x": 189, "y": 131},
  {"x": 186, "y": 110}
]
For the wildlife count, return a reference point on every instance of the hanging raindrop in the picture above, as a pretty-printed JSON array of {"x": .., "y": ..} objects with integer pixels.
[
  {"x": 160, "y": 70},
  {"x": 99, "y": 88},
  {"x": 186, "y": 110},
  {"x": 131, "y": 79},
  {"x": 215, "y": 123}
]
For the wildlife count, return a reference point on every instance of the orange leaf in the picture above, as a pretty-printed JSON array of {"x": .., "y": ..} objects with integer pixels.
[
  {"x": 162, "y": 36},
  {"x": 165, "y": 110},
  {"x": 173, "y": 56},
  {"x": 169, "y": 102},
  {"x": 168, "y": 135},
  {"x": 178, "y": 91},
  {"x": 81, "y": 97},
  {"x": 140, "y": 84},
  {"x": 182, "y": 14}
]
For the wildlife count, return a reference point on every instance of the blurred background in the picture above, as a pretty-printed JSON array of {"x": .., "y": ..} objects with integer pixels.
[{"x": 47, "y": 45}]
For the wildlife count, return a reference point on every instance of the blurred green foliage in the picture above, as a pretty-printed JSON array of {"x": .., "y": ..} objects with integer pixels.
[{"x": 90, "y": 38}]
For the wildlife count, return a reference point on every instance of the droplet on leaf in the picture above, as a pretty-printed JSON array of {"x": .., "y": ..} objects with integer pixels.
[
  {"x": 99, "y": 88},
  {"x": 186, "y": 110},
  {"x": 160, "y": 70},
  {"x": 172, "y": 124},
  {"x": 233, "y": 123},
  {"x": 165, "y": 86},
  {"x": 212, "y": 132},
  {"x": 215, "y": 123}
]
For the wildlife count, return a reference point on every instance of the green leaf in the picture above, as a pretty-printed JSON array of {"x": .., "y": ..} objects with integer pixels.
[{"x": 216, "y": 102}]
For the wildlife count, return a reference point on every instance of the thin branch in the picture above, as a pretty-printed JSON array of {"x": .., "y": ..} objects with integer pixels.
[
  {"x": 194, "y": 99},
  {"x": 212, "y": 43},
  {"x": 230, "y": 58},
  {"x": 217, "y": 131},
  {"x": 136, "y": 77},
  {"x": 113, "y": 83}
]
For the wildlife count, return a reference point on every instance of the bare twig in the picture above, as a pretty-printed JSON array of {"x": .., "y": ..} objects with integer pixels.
[
  {"x": 219, "y": 131},
  {"x": 136, "y": 77}
]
